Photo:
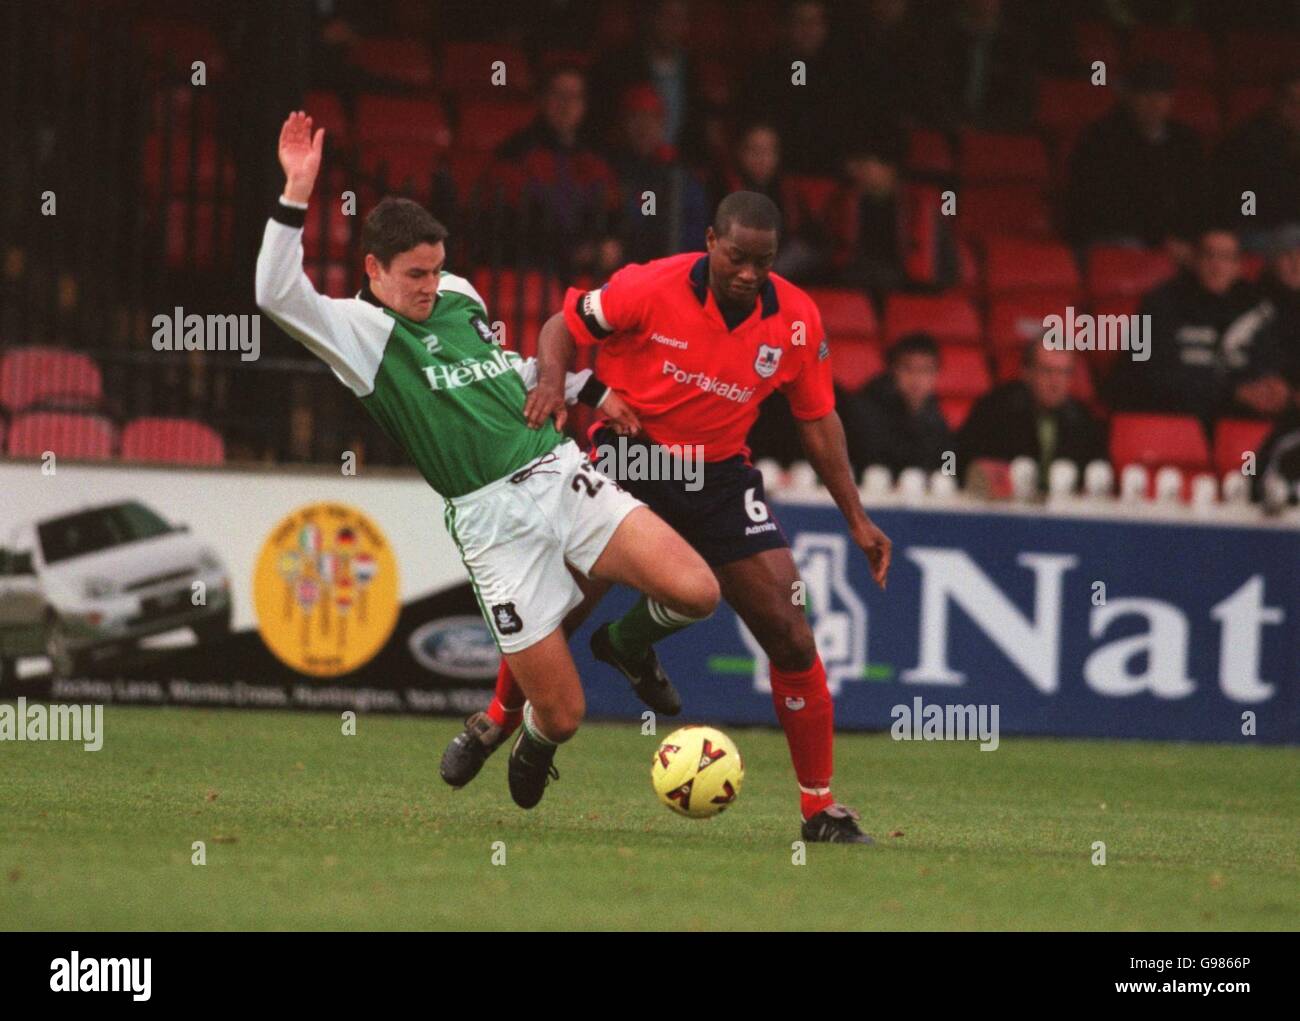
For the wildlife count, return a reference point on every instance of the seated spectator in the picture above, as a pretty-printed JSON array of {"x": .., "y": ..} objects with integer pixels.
[
  {"x": 1281, "y": 286},
  {"x": 804, "y": 251},
  {"x": 1033, "y": 417},
  {"x": 1136, "y": 177},
  {"x": 1263, "y": 157},
  {"x": 1211, "y": 345},
  {"x": 810, "y": 116},
  {"x": 646, "y": 163},
  {"x": 895, "y": 419},
  {"x": 564, "y": 193}
]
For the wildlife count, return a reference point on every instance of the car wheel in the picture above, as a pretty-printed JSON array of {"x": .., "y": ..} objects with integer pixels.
[
  {"x": 214, "y": 628},
  {"x": 64, "y": 662}
]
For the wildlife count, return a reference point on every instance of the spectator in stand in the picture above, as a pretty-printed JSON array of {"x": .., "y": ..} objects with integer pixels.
[
  {"x": 1281, "y": 286},
  {"x": 1263, "y": 157},
  {"x": 1033, "y": 417},
  {"x": 661, "y": 60},
  {"x": 565, "y": 194},
  {"x": 808, "y": 115},
  {"x": 895, "y": 419},
  {"x": 1136, "y": 177},
  {"x": 880, "y": 46},
  {"x": 977, "y": 69},
  {"x": 1211, "y": 344},
  {"x": 804, "y": 251},
  {"x": 647, "y": 164}
]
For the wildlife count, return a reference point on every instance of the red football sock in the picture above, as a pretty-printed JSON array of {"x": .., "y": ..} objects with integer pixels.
[
  {"x": 803, "y": 705},
  {"x": 506, "y": 709}
]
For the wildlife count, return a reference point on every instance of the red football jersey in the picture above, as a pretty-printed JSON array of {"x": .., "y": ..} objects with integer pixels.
[{"x": 665, "y": 347}]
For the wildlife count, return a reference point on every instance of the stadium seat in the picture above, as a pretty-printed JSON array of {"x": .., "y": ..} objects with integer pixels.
[
  {"x": 401, "y": 168},
  {"x": 1188, "y": 51},
  {"x": 987, "y": 158},
  {"x": 1066, "y": 104},
  {"x": 511, "y": 295},
  {"x": 212, "y": 167},
  {"x": 1017, "y": 319},
  {"x": 928, "y": 152},
  {"x": 963, "y": 372},
  {"x": 1114, "y": 271},
  {"x": 949, "y": 318},
  {"x": 1234, "y": 437},
  {"x": 814, "y": 194},
  {"x": 81, "y": 437},
  {"x": 1003, "y": 209},
  {"x": 408, "y": 61},
  {"x": 195, "y": 241},
  {"x": 1012, "y": 265},
  {"x": 855, "y": 362},
  {"x": 486, "y": 123},
  {"x": 467, "y": 168},
  {"x": 1198, "y": 108},
  {"x": 1158, "y": 440},
  {"x": 50, "y": 378},
  {"x": 1243, "y": 102},
  {"x": 326, "y": 111},
  {"x": 955, "y": 410},
  {"x": 845, "y": 313},
  {"x": 410, "y": 121},
  {"x": 175, "y": 44},
  {"x": 174, "y": 440},
  {"x": 1095, "y": 39},
  {"x": 335, "y": 282},
  {"x": 337, "y": 228},
  {"x": 467, "y": 68}
]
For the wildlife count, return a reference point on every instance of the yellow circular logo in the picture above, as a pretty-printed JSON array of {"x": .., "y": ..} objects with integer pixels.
[{"x": 325, "y": 590}]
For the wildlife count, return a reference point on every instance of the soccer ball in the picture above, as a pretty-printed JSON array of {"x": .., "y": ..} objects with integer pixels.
[{"x": 697, "y": 771}]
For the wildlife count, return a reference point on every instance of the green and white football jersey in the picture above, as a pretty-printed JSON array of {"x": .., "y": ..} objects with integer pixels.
[{"x": 441, "y": 388}]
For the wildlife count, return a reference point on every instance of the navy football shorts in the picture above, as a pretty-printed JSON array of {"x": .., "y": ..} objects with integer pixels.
[{"x": 726, "y": 519}]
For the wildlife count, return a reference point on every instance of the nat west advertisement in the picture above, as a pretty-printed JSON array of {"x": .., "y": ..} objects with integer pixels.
[{"x": 305, "y": 590}]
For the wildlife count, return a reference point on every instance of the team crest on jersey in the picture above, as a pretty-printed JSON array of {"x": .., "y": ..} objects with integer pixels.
[
  {"x": 506, "y": 619},
  {"x": 767, "y": 361},
  {"x": 483, "y": 329}
]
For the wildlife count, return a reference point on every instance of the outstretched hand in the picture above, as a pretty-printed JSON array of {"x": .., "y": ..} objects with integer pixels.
[{"x": 300, "y": 155}]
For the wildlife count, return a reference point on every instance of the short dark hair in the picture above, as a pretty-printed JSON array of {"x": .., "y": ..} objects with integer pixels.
[
  {"x": 912, "y": 344},
  {"x": 749, "y": 209},
  {"x": 397, "y": 225}
]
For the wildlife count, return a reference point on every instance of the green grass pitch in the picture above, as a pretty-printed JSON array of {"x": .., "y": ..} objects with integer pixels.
[{"x": 306, "y": 828}]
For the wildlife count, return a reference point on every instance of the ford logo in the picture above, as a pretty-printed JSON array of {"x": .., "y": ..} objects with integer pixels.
[{"x": 456, "y": 646}]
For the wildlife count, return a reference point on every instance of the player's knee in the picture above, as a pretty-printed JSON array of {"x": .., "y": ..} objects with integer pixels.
[
  {"x": 700, "y": 595},
  {"x": 789, "y": 643},
  {"x": 564, "y": 716}
]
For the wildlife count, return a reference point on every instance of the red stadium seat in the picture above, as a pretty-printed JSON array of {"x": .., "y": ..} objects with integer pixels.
[
  {"x": 949, "y": 318},
  {"x": 196, "y": 244},
  {"x": 1003, "y": 209},
  {"x": 1015, "y": 320},
  {"x": 1243, "y": 103},
  {"x": 1066, "y": 104},
  {"x": 512, "y": 295},
  {"x": 175, "y": 44},
  {"x": 928, "y": 152},
  {"x": 402, "y": 168},
  {"x": 814, "y": 194},
  {"x": 963, "y": 372},
  {"x": 326, "y": 111},
  {"x": 32, "y": 377},
  {"x": 337, "y": 228},
  {"x": 1188, "y": 51},
  {"x": 81, "y": 437},
  {"x": 1158, "y": 440},
  {"x": 855, "y": 362},
  {"x": 408, "y": 61},
  {"x": 174, "y": 440},
  {"x": 412, "y": 122},
  {"x": 1234, "y": 437},
  {"x": 1114, "y": 271},
  {"x": 844, "y": 312},
  {"x": 955, "y": 410},
  {"x": 467, "y": 68},
  {"x": 998, "y": 159},
  {"x": 467, "y": 168},
  {"x": 486, "y": 123},
  {"x": 1198, "y": 108},
  {"x": 1096, "y": 40},
  {"x": 1012, "y": 265},
  {"x": 213, "y": 168},
  {"x": 334, "y": 283}
]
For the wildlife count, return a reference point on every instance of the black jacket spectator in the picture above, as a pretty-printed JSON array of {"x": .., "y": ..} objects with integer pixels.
[
  {"x": 1005, "y": 424},
  {"x": 1263, "y": 157},
  {"x": 881, "y": 429}
]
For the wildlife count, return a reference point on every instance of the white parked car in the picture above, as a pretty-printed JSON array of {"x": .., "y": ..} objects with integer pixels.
[{"x": 87, "y": 585}]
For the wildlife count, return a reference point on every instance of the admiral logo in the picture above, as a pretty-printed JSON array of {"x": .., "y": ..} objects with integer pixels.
[
  {"x": 659, "y": 338},
  {"x": 709, "y": 384},
  {"x": 767, "y": 361}
]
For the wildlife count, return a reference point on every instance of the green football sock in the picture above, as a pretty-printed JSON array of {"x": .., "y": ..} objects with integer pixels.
[{"x": 643, "y": 625}]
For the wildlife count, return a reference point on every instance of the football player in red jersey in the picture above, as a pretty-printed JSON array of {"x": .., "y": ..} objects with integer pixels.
[{"x": 694, "y": 343}]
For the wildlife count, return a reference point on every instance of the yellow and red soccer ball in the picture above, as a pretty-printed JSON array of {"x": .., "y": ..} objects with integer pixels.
[{"x": 697, "y": 771}]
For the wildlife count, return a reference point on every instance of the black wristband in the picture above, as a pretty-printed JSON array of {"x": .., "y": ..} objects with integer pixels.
[
  {"x": 288, "y": 215},
  {"x": 593, "y": 391}
]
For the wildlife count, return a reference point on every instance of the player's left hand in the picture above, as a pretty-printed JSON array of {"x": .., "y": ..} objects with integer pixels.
[
  {"x": 545, "y": 400},
  {"x": 876, "y": 545},
  {"x": 621, "y": 417}
]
